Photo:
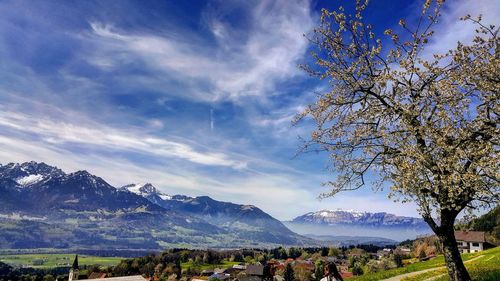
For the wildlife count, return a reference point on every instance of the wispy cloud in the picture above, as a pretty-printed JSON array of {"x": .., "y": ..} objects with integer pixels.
[
  {"x": 250, "y": 67},
  {"x": 451, "y": 29},
  {"x": 96, "y": 135}
]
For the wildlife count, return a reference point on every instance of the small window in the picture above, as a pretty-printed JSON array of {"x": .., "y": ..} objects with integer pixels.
[{"x": 475, "y": 244}]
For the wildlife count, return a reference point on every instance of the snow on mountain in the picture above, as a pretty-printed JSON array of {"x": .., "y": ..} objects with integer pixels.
[
  {"x": 145, "y": 190},
  {"x": 150, "y": 192},
  {"x": 29, "y": 173},
  {"x": 165, "y": 197},
  {"x": 15, "y": 170},
  {"x": 354, "y": 217},
  {"x": 29, "y": 180}
]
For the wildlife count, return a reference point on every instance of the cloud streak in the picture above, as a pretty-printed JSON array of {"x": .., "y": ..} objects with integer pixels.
[
  {"x": 249, "y": 67},
  {"x": 105, "y": 137}
]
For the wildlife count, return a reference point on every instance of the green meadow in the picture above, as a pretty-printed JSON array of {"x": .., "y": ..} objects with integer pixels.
[
  {"x": 484, "y": 267},
  {"x": 56, "y": 260}
]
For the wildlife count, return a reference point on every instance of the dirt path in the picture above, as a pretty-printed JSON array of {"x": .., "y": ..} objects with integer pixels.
[{"x": 415, "y": 273}]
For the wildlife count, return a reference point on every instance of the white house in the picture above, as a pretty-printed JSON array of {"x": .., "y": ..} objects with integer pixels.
[{"x": 470, "y": 241}]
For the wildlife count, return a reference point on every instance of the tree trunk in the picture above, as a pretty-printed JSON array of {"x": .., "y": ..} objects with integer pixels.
[{"x": 454, "y": 263}]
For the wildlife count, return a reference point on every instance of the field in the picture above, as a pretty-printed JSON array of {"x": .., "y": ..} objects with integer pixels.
[
  {"x": 224, "y": 264},
  {"x": 56, "y": 260},
  {"x": 483, "y": 266}
]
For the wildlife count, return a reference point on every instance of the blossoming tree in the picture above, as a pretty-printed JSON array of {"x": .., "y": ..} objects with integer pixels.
[{"x": 427, "y": 124}]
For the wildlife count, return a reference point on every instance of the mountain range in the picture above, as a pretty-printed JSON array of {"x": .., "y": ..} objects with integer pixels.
[
  {"x": 353, "y": 217},
  {"x": 41, "y": 206},
  {"x": 246, "y": 221},
  {"x": 356, "y": 223}
]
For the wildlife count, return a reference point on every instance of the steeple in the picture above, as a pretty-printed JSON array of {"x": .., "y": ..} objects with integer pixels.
[
  {"x": 75, "y": 263},
  {"x": 73, "y": 272}
]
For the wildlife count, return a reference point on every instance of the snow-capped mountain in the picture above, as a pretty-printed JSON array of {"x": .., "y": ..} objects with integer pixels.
[
  {"x": 147, "y": 191},
  {"x": 233, "y": 217},
  {"x": 42, "y": 206},
  {"x": 357, "y": 223},
  {"x": 151, "y": 193},
  {"x": 29, "y": 173},
  {"x": 353, "y": 217}
]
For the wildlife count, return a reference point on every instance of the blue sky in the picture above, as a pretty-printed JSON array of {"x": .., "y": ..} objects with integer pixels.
[{"x": 196, "y": 97}]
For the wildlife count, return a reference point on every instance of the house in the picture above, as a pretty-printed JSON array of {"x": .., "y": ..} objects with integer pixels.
[
  {"x": 258, "y": 272},
  {"x": 471, "y": 241},
  {"x": 240, "y": 266},
  {"x": 219, "y": 276},
  {"x": 384, "y": 253},
  {"x": 402, "y": 251},
  {"x": 123, "y": 278},
  {"x": 254, "y": 270},
  {"x": 97, "y": 275},
  {"x": 249, "y": 278}
]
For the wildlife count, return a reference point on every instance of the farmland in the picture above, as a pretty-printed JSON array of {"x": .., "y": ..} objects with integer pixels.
[{"x": 55, "y": 260}]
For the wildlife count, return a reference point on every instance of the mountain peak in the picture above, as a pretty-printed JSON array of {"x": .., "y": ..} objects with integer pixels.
[
  {"x": 82, "y": 173},
  {"x": 145, "y": 190},
  {"x": 29, "y": 173},
  {"x": 341, "y": 216},
  {"x": 330, "y": 213}
]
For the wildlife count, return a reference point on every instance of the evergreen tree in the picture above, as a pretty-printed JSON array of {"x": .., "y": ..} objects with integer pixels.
[
  {"x": 324, "y": 251},
  {"x": 357, "y": 269},
  {"x": 398, "y": 260},
  {"x": 319, "y": 270},
  {"x": 289, "y": 274}
]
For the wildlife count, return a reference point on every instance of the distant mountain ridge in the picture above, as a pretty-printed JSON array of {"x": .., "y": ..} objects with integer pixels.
[
  {"x": 353, "y": 217},
  {"x": 246, "y": 219},
  {"x": 41, "y": 206},
  {"x": 357, "y": 223}
]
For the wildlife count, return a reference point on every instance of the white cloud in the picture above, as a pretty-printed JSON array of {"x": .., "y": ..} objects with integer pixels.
[
  {"x": 251, "y": 67},
  {"x": 100, "y": 136},
  {"x": 451, "y": 29}
]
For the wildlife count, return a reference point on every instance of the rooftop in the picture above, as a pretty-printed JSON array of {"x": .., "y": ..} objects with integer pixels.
[
  {"x": 470, "y": 236},
  {"x": 123, "y": 278}
]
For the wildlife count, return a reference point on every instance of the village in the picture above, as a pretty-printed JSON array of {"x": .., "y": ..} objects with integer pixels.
[{"x": 280, "y": 264}]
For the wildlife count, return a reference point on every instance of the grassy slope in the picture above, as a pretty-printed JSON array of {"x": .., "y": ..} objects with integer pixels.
[
  {"x": 485, "y": 268},
  {"x": 437, "y": 262},
  {"x": 55, "y": 260}
]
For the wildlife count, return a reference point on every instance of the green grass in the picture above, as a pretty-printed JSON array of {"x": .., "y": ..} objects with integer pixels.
[
  {"x": 485, "y": 268},
  {"x": 56, "y": 260},
  {"x": 436, "y": 262},
  {"x": 224, "y": 264}
]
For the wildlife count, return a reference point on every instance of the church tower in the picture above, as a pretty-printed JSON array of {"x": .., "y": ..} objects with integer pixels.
[{"x": 73, "y": 272}]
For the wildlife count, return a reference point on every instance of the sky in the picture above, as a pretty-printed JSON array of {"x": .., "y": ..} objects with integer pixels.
[{"x": 195, "y": 97}]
